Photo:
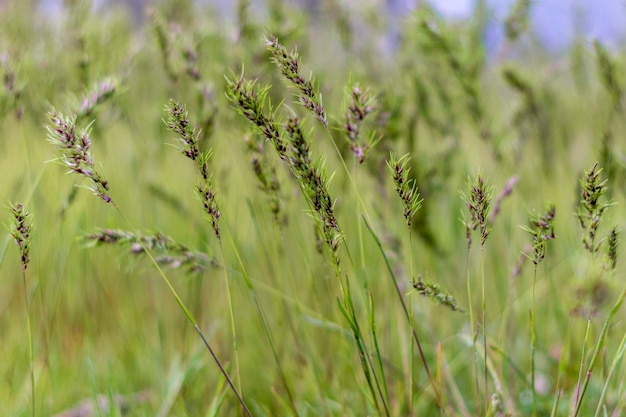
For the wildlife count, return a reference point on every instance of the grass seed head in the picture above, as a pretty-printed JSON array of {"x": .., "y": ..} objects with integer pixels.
[
  {"x": 289, "y": 65},
  {"x": 541, "y": 230},
  {"x": 591, "y": 209},
  {"x": 20, "y": 231},
  {"x": 405, "y": 187},
  {"x": 611, "y": 255},
  {"x": 74, "y": 146},
  {"x": 478, "y": 201},
  {"x": 360, "y": 105},
  {"x": 434, "y": 292}
]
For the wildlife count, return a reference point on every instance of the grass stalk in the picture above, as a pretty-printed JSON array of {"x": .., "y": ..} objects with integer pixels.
[
  {"x": 266, "y": 330},
  {"x": 31, "y": 352},
  {"x": 541, "y": 230},
  {"x": 21, "y": 233},
  {"x": 381, "y": 368},
  {"x": 405, "y": 310},
  {"x": 411, "y": 326},
  {"x": 190, "y": 317},
  {"x": 484, "y": 326},
  {"x": 473, "y": 330},
  {"x": 596, "y": 351},
  {"x": 617, "y": 359},
  {"x": 533, "y": 343},
  {"x": 231, "y": 314},
  {"x": 478, "y": 201}
]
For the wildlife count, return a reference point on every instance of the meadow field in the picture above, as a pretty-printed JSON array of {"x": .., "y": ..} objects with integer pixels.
[{"x": 284, "y": 215}]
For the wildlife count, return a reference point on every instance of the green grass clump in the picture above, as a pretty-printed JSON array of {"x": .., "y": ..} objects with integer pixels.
[{"x": 348, "y": 232}]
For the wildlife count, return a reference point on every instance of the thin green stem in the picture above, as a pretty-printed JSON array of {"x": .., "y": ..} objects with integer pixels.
[
  {"x": 188, "y": 315},
  {"x": 231, "y": 313},
  {"x": 484, "y": 325},
  {"x": 406, "y": 315},
  {"x": 31, "y": 354},
  {"x": 473, "y": 332},
  {"x": 533, "y": 339},
  {"x": 598, "y": 348},
  {"x": 412, "y": 326},
  {"x": 223, "y": 370},
  {"x": 582, "y": 366},
  {"x": 369, "y": 301},
  {"x": 347, "y": 309},
  {"x": 617, "y": 359},
  {"x": 385, "y": 392},
  {"x": 266, "y": 328}
]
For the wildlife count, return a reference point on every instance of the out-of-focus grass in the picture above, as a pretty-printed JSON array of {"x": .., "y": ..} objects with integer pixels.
[{"x": 102, "y": 320}]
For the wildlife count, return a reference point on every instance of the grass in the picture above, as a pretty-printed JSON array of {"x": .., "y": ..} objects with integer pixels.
[{"x": 238, "y": 235}]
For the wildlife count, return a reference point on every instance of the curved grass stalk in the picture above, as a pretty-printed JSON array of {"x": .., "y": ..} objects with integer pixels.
[
  {"x": 405, "y": 309},
  {"x": 190, "y": 317},
  {"x": 266, "y": 328}
]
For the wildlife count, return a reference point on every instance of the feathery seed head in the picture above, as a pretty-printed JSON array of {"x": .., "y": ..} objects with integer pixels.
[
  {"x": 405, "y": 187},
  {"x": 74, "y": 146},
  {"x": 591, "y": 210},
  {"x": 289, "y": 65},
  {"x": 20, "y": 231},
  {"x": 541, "y": 231},
  {"x": 478, "y": 201}
]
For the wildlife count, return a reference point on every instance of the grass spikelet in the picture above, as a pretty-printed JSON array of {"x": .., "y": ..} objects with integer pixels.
[
  {"x": 611, "y": 250},
  {"x": 101, "y": 92},
  {"x": 178, "y": 122},
  {"x": 168, "y": 252},
  {"x": 478, "y": 201},
  {"x": 405, "y": 187},
  {"x": 591, "y": 209},
  {"x": 294, "y": 150},
  {"x": 314, "y": 185},
  {"x": 74, "y": 147},
  {"x": 434, "y": 292},
  {"x": 20, "y": 232},
  {"x": 289, "y": 66},
  {"x": 249, "y": 101},
  {"x": 360, "y": 105},
  {"x": 541, "y": 230}
]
